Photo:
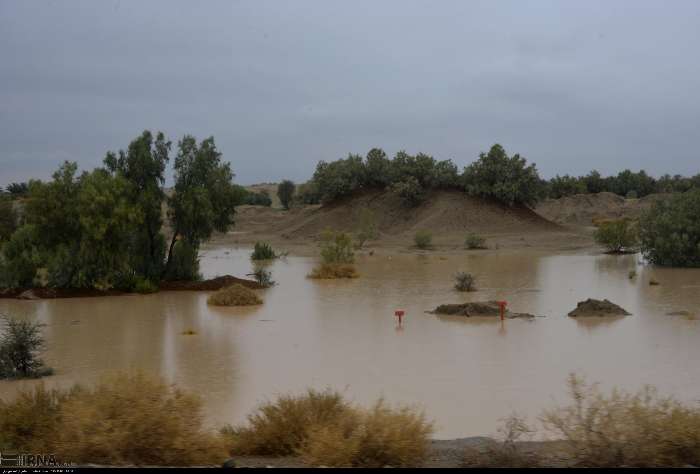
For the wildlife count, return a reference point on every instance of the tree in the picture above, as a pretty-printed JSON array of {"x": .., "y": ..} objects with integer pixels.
[
  {"x": 561, "y": 186},
  {"x": 142, "y": 166},
  {"x": 20, "y": 345},
  {"x": 8, "y": 219},
  {"x": 285, "y": 191},
  {"x": 594, "y": 182},
  {"x": 339, "y": 178},
  {"x": 617, "y": 236},
  {"x": 204, "y": 197},
  {"x": 378, "y": 169},
  {"x": 670, "y": 231},
  {"x": 18, "y": 189},
  {"x": 507, "y": 179}
]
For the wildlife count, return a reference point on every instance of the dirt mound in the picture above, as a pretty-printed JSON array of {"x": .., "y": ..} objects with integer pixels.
[
  {"x": 209, "y": 285},
  {"x": 585, "y": 209},
  {"x": 597, "y": 308},
  {"x": 443, "y": 212},
  {"x": 478, "y": 309},
  {"x": 234, "y": 295}
]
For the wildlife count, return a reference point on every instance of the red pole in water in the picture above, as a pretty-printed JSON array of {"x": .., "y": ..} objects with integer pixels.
[
  {"x": 399, "y": 314},
  {"x": 502, "y": 304}
]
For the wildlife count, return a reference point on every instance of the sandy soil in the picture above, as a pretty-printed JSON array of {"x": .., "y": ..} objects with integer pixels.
[{"x": 449, "y": 215}]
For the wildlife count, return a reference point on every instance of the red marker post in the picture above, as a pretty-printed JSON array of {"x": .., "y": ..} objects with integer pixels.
[
  {"x": 399, "y": 314},
  {"x": 502, "y": 305}
]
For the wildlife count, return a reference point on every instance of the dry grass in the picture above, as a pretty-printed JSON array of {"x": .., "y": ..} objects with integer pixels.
[
  {"x": 505, "y": 451},
  {"x": 126, "y": 419},
  {"x": 234, "y": 295},
  {"x": 639, "y": 429},
  {"x": 326, "y": 430},
  {"x": 326, "y": 271}
]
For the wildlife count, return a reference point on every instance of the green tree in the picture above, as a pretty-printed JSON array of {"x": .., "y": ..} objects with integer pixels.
[
  {"x": 670, "y": 231},
  {"x": 204, "y": 197},
  {"x": 561, "y": 186},
  {"x": 142, "y": 166},
  {"x": 377, "y": 169},
  {"x": 509, "y": 180},
  {"x": 617, "y": 236},
  {"x": 410, "y": 191},
  {"x": 8, "y": 219},
  {"x": 285, "y": 192},
  {"x": 339, "y": 178}
]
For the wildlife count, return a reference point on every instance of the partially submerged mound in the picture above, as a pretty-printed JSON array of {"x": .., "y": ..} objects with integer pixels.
[
  {"x": 478, "y": 309},
  {"x": 212, "y": 284},
  {"x": 234, "y": 295},
  {"x": 597, "y": 308},
  {"x": 327, "y": 271}
]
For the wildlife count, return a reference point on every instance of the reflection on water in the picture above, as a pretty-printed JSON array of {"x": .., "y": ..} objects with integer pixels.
[{"x": 466, "y": 372}]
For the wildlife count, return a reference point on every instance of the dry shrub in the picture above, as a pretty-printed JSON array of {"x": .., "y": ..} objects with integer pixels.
[
  {"x": 639, "y": 429},
  {"x": 126, "y": 419},
  {"x": 505, "y": 451},
  {"x": 326, "y": 430},
  {"x": 234, "y": 295},
  {"x": 326, "y": 271}
]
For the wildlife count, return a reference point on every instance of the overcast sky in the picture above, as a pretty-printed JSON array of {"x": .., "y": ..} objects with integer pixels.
[{"x": 570, "y": 85}]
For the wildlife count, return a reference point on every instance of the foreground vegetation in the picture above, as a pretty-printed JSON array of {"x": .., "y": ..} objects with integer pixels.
[
  {"x": 104, "y": 229},
  {"x": 337, "y": 257},
  {"x": 21, "y": 344}
]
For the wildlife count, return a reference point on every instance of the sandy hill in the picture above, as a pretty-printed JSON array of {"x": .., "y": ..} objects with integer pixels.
[
  {"x": 444, "y": 212},
  {"x": 583, "y": 209}
]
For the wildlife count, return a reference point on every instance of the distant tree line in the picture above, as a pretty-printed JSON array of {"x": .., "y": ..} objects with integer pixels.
[{"x": 105, "y": 228}]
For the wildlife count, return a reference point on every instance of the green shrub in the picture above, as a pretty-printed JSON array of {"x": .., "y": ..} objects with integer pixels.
[
  {"x": 263, "y": 277},
  {"x": 507, "y": 179},
  {"x": 464, "y": 281},
  {"x": 263, "y": 251},
  {"x": 184, "y": 263},
  {"x": 639, "y": 429},
  {"x": 285, "y": 192},
  {"x": 324, "y": 429},
  {"x": 261, "y": 198},
  {"x": 617, "y": 236},
  {"x": 474, "y": 242},
  {"x": 410, "y": 191},
  {"x": 670, "y": 231},
  {"x": 21, "y": 343},
  {"x": 8, "y": 219},
  {"x": 367, "y": 227},
  {"x": 145, "y": 286},
  {"x": 423, "y": 239},
  {"x": 20, "y": 259},
  {"x": 308, "y": 193},
  {"x": 336, "y": 248}
]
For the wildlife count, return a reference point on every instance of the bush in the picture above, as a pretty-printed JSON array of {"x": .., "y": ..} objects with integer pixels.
[
  {"x": 263, "y": 251},
  {"x": 330, "y": 271},
  {"x": 670, "y": 231},
  {"x": 285, "y": 192},
  {"x": 308, "y": 193},
  {"x": 423, "y": 239},
  {"x": 622, "y": 429},
  {"x": 20, "y": 345},
  {"x": 326, "y": 430},
  {"x": 234, "y": 295},
  {"x": 145, "y": 286},
  {"x": 617, "y": 236},
  {"x": 410, "y": 191},
  {"x": 8, "y": 219},
  {"x": 261, "y": 198},
  {"x": 184, "y": 263},
  {"x": 464, "y": 281},
  {"x": 504, "y": 452},
  {"x": 507, "y": 179},
  {"x": 125, "y": 419},
  {"x": 474, "y": 242},
  {"x": 20, "y": 259},
  {"x": 263, "y": 277},
  {"x": 367, "y": 228},
  {"x": 336, "y": 248}
]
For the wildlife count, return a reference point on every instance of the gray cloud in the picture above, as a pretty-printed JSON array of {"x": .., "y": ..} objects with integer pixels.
[{"x": 570, "y": 85}]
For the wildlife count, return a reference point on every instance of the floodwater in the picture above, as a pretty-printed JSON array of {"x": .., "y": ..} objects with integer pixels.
[{"x": 466, "y": 373}]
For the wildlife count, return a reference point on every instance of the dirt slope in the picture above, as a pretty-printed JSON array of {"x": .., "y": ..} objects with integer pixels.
[{"x": 583, "y": 209}]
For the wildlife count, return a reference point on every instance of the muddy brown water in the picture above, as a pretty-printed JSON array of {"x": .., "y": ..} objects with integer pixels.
[{"x": 466, "y": 373}]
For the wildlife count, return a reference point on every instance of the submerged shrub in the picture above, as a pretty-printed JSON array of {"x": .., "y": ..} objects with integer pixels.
[
  {"x": 464, "y": 281},
  {"x": 423, "y": 239},
  {"x": 125, "y": 419},
  {"x": 639, "y": 429},
  {"x": 474, "y": 242},
  {"x": 184, "y": 263},
  {"x": 263, "y": 277},
  {"x": 263, "y": 251},
  {"x": 616, "y": 236},
  {"x": 329, "y": 271},
  {"x": 20, "y": 345},
  {"x": 234, "y": 295},
  {"x": 336, "y": 248},
  {"x": 324, "y": 429},
  {"x": 670, "y": 231}
]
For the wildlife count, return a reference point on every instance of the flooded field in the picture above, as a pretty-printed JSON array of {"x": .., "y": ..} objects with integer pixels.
[{"x": 466, "y": 373}]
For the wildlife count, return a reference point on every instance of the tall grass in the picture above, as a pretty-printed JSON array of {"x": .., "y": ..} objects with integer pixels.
[
  {"x": 263, "y": 251},
  {"x": 324, "y": 429},
  {"x": 641, "y": 429},
  {"x": 124, "y": 419}
]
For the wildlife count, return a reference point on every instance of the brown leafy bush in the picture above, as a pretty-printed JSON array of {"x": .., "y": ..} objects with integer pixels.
[
  {"x": 234, "y": 295},
  {"x": 326, "y": 271},
  {"x": 125, "y": 419},
  {"x": 639, "y": 429},
  {"x": 324, "y": 429}
]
